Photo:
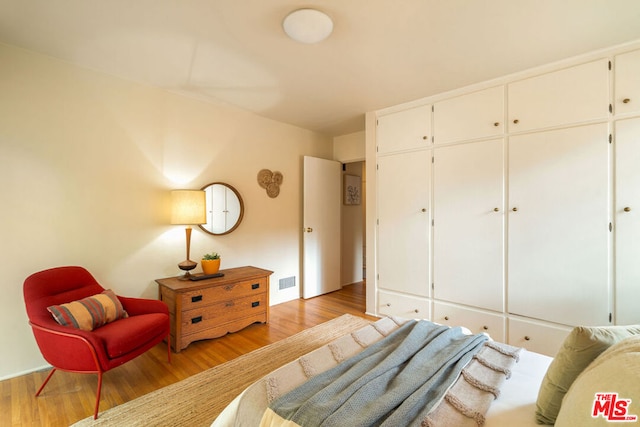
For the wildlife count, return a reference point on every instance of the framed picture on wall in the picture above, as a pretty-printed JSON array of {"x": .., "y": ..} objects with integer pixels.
[{"x": 352, "y": 191}]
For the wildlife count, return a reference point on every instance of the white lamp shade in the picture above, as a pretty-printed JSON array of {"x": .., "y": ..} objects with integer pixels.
[
  {"x": 188, "y": 207},
  {"x": 307, "y": 25}
]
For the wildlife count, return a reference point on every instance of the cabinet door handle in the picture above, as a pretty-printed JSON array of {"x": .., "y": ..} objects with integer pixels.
[
  {"x": 496, "y": 209},
  {"x": 197, "y": 298},
  {"x": 515, "y": 209},
  {"x": 446, "y": 317},
  {"x": 496, "y": 124},
  {"x": 516, "y": 121},
  {"x": 527, "y": 338},
  {"x": 485, "y": 327},
  {"x": 196, "y": 319},
  {"x": 425, "y": 137},
  {"x": 255, "y": 286},
  {"x": 255, "y": 304},
  {"x": 626, "y": 101},
  {"x": 627, "y": 209},
  {"x": 423, "y": 210}
]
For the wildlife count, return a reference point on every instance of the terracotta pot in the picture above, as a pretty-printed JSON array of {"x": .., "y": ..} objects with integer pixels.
[{"x": 210, "y": 266}]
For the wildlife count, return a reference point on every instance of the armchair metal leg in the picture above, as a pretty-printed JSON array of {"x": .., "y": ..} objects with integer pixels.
[
  {"x": 45, "y": 381},
  {"x": 95, "y": 413}
]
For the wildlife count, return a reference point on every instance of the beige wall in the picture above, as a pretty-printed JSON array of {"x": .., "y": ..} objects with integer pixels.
[
  {"x": 86, "y": 165},
  {"x": 349, "y": 148}
]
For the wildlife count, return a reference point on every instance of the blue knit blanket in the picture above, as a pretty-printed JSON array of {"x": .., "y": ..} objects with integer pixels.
[{"x": 396, "y": 381}]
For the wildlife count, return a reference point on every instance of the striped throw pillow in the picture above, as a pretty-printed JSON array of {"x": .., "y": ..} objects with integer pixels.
[{"x": 89, "y": 313}]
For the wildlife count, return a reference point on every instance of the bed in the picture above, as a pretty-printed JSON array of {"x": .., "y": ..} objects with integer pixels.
[
  {"x": 530, "y": 386},
  {"x": 515, "y": 405}
]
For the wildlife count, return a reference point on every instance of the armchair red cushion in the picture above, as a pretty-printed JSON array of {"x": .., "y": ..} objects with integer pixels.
[{"x": 101, "y": 349}]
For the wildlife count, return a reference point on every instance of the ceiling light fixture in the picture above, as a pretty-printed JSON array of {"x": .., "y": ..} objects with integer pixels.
[{"x": 307, "y": 25}]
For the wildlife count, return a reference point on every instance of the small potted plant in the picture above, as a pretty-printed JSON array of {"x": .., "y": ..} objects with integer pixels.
[{"x": 210, "y": 263}]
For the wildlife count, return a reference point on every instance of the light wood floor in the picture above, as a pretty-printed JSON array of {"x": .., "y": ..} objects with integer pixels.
[{"x": 71, "y": 397}]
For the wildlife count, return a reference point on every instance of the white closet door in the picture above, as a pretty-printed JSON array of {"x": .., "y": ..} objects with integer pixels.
[
  {"x": 627, "y": 228},
  {"x": 627, "y": 83},
  {"x": 471, "y": 116},
  {"x": 468, "y": 231},
  {"x": 404, "y": 182},
  {"x": 404, "y": 130},
  {"x": 559, "y": 225},
  {"x": 572, "y": 95}
]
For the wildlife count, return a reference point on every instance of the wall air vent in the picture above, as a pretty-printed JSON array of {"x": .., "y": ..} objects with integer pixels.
[{"x": 287, "y": 282}]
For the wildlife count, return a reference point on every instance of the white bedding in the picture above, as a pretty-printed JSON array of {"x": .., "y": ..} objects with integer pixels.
[{"x": 514, "y": 407}]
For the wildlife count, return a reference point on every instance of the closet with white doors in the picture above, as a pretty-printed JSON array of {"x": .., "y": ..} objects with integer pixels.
[
  {"x": 403, "y": 213},
  {"x": 529, "y": 225}
]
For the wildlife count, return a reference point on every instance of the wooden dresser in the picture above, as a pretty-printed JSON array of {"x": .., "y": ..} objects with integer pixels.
[{"x": 211, "y": 308}]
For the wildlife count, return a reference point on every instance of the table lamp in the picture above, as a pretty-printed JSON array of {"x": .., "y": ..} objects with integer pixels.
[{"x": 188, "y": 208}]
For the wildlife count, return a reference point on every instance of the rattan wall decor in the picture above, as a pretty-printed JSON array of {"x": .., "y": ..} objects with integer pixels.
[{"x": 270, "y": 181}]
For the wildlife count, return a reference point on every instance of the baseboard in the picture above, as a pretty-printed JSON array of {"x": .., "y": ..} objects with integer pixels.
[{"x": 27, "y": 372}]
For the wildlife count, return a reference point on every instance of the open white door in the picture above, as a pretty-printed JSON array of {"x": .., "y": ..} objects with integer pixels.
[{"x": 321, "y": 227}]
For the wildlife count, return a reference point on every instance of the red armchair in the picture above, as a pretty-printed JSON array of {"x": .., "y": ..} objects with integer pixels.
[{"x": 97, "y": 351}]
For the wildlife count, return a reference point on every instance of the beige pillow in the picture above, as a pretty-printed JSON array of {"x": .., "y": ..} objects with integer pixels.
[
  {"x": 89, "y": 313},
  {"x": 613, "y": 377},
  {"x": 578, "y": 350}
]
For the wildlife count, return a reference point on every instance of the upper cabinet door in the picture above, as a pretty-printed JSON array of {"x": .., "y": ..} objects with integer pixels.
[
  {"x": 572, "y": 95},
  {"x": 404, "y": 130},
  {"x": 476, "y": 115},
  {"x": 627, "y": 89}
]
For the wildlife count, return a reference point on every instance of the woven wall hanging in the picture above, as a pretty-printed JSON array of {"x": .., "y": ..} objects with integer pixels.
[{"x": 270, "y": 181}]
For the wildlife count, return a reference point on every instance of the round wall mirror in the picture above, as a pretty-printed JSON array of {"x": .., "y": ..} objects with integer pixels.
[{"x": 224, "y": 208}]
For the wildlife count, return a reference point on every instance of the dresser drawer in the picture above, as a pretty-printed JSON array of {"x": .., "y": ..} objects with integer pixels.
[
  {"x": 537, "y": 336},
  {"x": 204, "y": 297},
  {"x": 222, "y": 312},
  {"x": 408, "y": 307},
  {"x": 474, "y": 320}
]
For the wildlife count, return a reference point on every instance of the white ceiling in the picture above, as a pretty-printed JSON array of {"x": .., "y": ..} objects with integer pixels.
[{"x": 381, "y": 53}]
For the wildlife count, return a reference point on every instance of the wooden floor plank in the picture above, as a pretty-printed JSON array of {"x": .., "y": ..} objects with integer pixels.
[{"x": 71, "y": 397}]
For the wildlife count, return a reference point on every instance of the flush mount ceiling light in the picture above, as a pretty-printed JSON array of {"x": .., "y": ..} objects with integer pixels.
[{"x": 307, "y": 25}]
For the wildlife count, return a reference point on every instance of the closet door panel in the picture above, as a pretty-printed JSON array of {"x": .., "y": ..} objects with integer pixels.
[
  {"x": 627, "y": 83},
  {"x": 558, "y": 244},
  {"x": 627, "y": 228},
  {"x": 404, "y": 182},
  {"x": 572, "y": 95},
  {"x": 404, "y": 130},
  {"x": 472, "y": 116},
  {"x": 468, "y": 228}
]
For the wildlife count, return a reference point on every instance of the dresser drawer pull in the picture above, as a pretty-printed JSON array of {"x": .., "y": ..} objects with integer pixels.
[
  {"x": 255, "y": 304},
  {"x": 255, "y": 286},
  {"x": 197, "y": 298},
  {"x": 196, "y": 319}
]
